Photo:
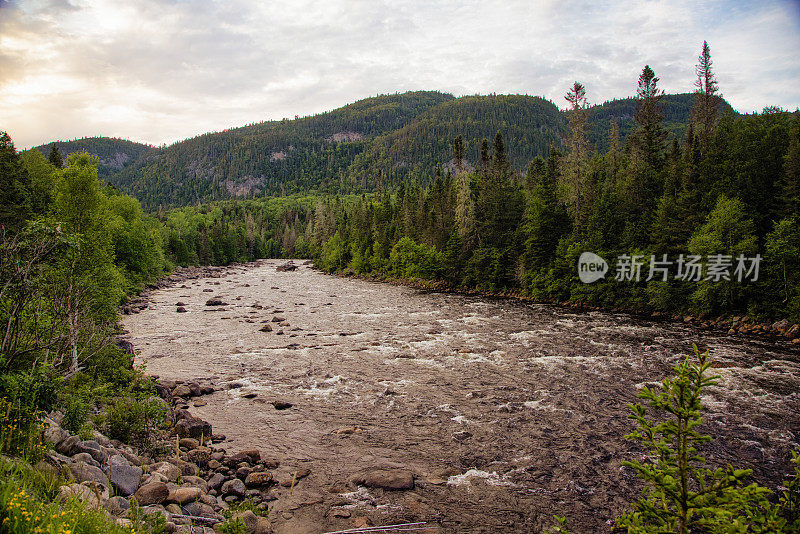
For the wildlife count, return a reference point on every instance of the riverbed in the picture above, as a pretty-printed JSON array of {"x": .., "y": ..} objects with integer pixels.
[{"x": 506, "y": 412}]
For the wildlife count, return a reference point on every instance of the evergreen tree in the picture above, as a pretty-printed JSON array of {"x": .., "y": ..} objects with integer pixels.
[
  {"x": 576, "y": 174},
  {"x": 55, "y": 157},
  {"x": 650, "y": 134},
  {"x": 458, "y": 153},
  {"x": 704, "y": 112}
]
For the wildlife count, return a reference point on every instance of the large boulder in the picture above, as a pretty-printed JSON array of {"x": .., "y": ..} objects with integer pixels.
[
  {"x": 193, "y": 427},
  {"x": 123, "y": 476},
  {"x": 152, "y": 493},
  {"x": 83, "y": 472},
  {"x": 388, "y": 479},
  {"x": 81, "y": 492}
]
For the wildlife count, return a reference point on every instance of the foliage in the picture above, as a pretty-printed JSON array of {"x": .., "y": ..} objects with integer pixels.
[
  {"x": 683, "y": 494},
  {"x": 136, "y": 419},
  {"x": 27, "y": 505}
]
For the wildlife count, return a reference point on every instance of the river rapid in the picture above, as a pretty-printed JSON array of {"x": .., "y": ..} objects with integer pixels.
[{"x": 506, "y": 412}]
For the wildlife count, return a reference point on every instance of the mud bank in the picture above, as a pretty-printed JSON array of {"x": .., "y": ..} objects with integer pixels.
[{"x": 504, "y": 412}]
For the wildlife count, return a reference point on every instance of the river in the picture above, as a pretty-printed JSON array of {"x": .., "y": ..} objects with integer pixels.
[{"x": 506, "y": 412}]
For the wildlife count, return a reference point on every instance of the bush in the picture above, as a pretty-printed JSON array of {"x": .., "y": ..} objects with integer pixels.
[
  {"x": 25, "y": 507},
  {"x": 136, "y": 420}
]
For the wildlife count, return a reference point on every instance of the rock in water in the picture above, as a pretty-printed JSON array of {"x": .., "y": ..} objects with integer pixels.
[{"x": 388, "y": 479}]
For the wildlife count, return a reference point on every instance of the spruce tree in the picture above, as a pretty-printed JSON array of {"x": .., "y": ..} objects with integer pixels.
[
  {"x": 704, "y": 112},
  {"x": 55, "y": 157}
]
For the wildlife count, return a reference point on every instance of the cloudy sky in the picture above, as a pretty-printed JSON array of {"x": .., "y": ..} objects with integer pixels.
[{"x": 158, "y": 71}]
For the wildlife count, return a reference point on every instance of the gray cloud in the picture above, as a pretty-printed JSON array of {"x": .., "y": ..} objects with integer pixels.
[{"x": 162, "y": 70}]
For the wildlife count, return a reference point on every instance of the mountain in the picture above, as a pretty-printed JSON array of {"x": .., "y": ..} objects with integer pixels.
[
  {"x": 386, "y": 138},
  {"x": 115, "y": 154}
]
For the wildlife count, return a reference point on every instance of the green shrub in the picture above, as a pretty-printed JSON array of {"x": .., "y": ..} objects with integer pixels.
[
  {"x": 135, "y": 420},
  {"x": 683, "y": 494}
]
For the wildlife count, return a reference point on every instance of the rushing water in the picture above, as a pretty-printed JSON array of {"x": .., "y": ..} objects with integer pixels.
[{"x": 506, "y": 412}]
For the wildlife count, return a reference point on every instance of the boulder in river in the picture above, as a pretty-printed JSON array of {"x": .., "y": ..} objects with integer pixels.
[{"x": 388, "y": 479}]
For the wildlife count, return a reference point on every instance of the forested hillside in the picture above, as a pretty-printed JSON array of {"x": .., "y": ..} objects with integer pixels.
[
  {"x": 372, "y": 144},
  {"x": 114, "y": 154}
]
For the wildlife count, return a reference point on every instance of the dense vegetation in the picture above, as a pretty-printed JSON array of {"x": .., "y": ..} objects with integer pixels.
[
  {"x": 729, "y": 187},
  {"x": 370, "y": 145}
]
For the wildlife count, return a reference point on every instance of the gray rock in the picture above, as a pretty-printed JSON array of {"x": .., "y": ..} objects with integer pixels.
[
  {"x": 84, "y": 472},
  {"x": 234, "y": 487},
  {"x": 65, "y": 447},
  {"x": 216, "y": 481},
  {"x": 118, "y": 505},
  {"x": 123, "y": 476},
  {"x": 92, "y": 448},
  {"x": 54, "y": 433}
]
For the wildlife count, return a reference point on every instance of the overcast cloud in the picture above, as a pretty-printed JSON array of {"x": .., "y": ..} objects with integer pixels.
[{"x": 158, "y": 71}]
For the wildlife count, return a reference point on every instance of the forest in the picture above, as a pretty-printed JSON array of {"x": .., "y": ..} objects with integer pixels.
[{"x": 416, "y": 190}]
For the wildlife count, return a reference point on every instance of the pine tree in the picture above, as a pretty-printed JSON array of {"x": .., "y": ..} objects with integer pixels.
[
  {"x": 458, "y": 153},
  {"x": 704, "y": 112},
  {"x": 55, "y": 157},
  {"x": 576, "y": 172},
  {"x": 650, "y": 135}
]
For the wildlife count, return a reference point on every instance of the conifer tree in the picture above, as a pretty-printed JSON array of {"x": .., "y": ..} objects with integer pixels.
[
  {"x": 55, "y": 157},
  {"x": 576, "y": 180},
  {"x": 704, "y": 112}
]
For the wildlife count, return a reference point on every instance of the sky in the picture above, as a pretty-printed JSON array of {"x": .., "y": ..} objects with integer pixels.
[{"x": 159, "y": 71}]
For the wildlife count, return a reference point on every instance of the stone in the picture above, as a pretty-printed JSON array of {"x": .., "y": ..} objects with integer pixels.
[
  {"x": 257, "y": 479},
  {"x": 388, "y": 479},
  {"x": 216, "y": 481},
  {"x": 200, "y": 509},
  {"x": 199, "y": 455},
  {"x": 152, "y": 493},
  {"x": 263, "y": 526},
  {"x": 265, "y": 328},
  {"x": 189, "y": 443},
  {"x": 188, "y": 468},
  {"x": 184, "y": 495},
  {"x": 193, "y": 427},
  {"x": 215, "y": 302},
  {"x": 123, "y": 476},
  {"x": 80, "y": 492},
  {"x": 236, "y": 459},
  {"x": 234, "y": 487},
  {"x": 54, "y": 433},
  {"x": 85, "y": 457},
  {"x": 278, "y": 319},
  {"x": 118, "y": 505},
  {"x": 180, "y": 309},
  {"x": 83, "y": 472},
  {"x": 242, "y": 472},
  {"x": 170, "y": 471},
  {"x": 282, "y": 405},
  {"x": 196, "y": 481},
  {"x": 249, "y": 519},
  {"x": 182, "y": 390},
  {"x": 92, "y": 448}
]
